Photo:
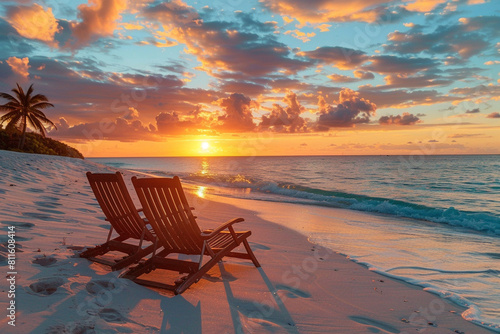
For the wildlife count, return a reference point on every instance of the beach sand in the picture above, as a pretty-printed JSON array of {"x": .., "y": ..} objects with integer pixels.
[{"x": 301, "y": 287}]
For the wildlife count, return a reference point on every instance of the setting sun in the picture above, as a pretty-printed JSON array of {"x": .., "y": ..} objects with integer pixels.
[{"x": 205, "y": 146}]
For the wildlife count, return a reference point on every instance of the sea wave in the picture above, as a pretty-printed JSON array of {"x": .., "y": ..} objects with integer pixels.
[{"x": 260, "y": 190}]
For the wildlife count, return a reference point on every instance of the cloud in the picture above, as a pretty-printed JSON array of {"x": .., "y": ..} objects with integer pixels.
[
  {"x": 404, "y": 119},
  {"x": 303, "y": 36},
  {"x": 34, "y": 22},
  {"x": 340, "y": 57},
  {"x": 399, "y": 65},
  {"x": 493, "y": 115},
  {"x": 402, "y": 98},
  {"x": 423, "y": 6},
  {"x": 465, "y": 135},
  {"x": 105, "y": 129},
  {"x": 285, "y": 119},
  {"x": 478, "y": 93},
  {"x": 98, "y": 18},
  {"x": 363, "y": 75},
  {"x": 321, "y": 11},
  {"x": 341, "y": 78},
  {"x": 19, "y": 66},
  {"x": 170, "y": 123},
  {"x": 415, "y": 81},
  {"x": 350, "y": 110},
  {"x": 465, "y": 39},
  {"x": 224, "y": 49},
  {"x": 83, "y": 93},
  {"x": 250, "y": 89},
  {"x": 237, "y": 115},
  {"x": 473, "y": 111}
]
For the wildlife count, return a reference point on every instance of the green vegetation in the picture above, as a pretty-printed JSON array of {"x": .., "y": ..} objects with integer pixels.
[
  {"x": 23, "y": 109},
  {"x": 35, "y": 143}
]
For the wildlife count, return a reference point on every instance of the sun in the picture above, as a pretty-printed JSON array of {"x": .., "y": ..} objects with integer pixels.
[{"x": 205, "y": 146}]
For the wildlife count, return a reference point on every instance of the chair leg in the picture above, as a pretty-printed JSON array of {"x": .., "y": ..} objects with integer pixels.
[
  {"x": 193, "y": 278},
  {"x": 251, "y": 254},
  {"x": 133, "y": 258},
  {"x": 138, "y": 270}
]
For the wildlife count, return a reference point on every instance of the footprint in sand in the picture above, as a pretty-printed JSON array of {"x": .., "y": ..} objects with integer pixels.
[
  {"x": 46, "y": 286},
  {"x": 22, "y": 180},
  {"x": 17, "y": 224},
  {"x": 35, "y": 190},
  {"x": 97, "y": 286},
  {"x": 86, "y": 210},
  {"x": 55, "y": 212},
  {"x": 51, "y": 199},
  {"x": 71, "y": 328},
  {"x": 44, "y": 261},
  {"x": 292, "y": 292},
  {"x": 41, "y": 216},
  {"x": 111, "y": 315},
  {"x": 374, "y": 325},
  {"x": 47, "y": 204}
]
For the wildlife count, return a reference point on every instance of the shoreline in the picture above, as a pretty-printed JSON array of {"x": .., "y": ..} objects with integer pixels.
[{"x": 301, "y": 287}]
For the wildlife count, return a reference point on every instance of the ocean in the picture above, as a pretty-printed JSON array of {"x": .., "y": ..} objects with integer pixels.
[{"x": 433, "y": 221}]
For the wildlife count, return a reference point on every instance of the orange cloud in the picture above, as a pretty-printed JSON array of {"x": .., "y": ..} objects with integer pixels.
[
  {"x": 98, "y": 19},
  {"x": 285, "y": 119},
  {"x": 350, "y": 110},
  {"x": 321, "y": 11},
  {"x": 34, "y": 22},
  {"x": 237, "y": 113},
  {"x": 405, "y": 119},
  {"x": 304, "y": 37},
  {"x": 19, "y": 66},
  {"x": 423, "y": 6}
]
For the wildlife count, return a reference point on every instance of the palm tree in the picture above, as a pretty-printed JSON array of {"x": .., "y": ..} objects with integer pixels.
[{"x": 23, "y": 108}]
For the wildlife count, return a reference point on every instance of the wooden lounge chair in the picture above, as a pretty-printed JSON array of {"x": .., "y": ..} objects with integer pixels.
[
  {"x": 117, "y": 205},
  {"x": 167, "y": 210}
]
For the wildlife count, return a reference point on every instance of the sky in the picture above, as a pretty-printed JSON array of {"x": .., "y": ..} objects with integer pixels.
[{"x": 260, "y": 77}]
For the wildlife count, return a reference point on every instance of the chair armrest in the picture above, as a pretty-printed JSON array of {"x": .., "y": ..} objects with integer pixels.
[
  {"x": 140, "y": 210},
  {"x": 210, "y": 233}
]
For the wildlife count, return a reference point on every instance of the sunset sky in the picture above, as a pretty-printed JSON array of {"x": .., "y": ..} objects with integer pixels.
[{"x": 266, "y": 77}]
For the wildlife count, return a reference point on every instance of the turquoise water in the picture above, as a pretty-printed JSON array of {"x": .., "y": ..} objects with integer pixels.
[{"x": 442, "y": 213}]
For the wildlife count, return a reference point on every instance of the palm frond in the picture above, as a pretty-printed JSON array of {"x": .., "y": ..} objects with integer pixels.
[
  {"x": 37, "y": 124},
  {"x": 39, "y": 98},
  {"x": 19, "y": 92},
  {"x": 11, "y": 118},
  {"x": 8, "y": 97},
  {"x": 42, "y": 105},
  {"x": 9, "y": 115}
]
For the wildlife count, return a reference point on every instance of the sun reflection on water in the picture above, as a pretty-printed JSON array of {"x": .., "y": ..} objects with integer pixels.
[
  {"x": 201, "y": 192},
  {"x": 204, "y": 167}
]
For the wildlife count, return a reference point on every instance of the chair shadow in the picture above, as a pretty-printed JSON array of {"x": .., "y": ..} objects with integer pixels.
[
  {"x": 257, "y": 311},
  {"x": 180, "y": 316}
]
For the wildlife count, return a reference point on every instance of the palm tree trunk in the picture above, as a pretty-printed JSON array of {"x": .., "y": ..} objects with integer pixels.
[{"x": 23, "y": 135}]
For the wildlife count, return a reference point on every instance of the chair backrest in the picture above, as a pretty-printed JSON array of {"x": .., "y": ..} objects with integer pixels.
[
  {"x": 115, "y": 201},
  {"x": 167, "y": 210}
]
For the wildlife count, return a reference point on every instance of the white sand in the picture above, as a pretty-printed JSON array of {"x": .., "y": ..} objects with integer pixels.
[{"x": 301, "y": 287}]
